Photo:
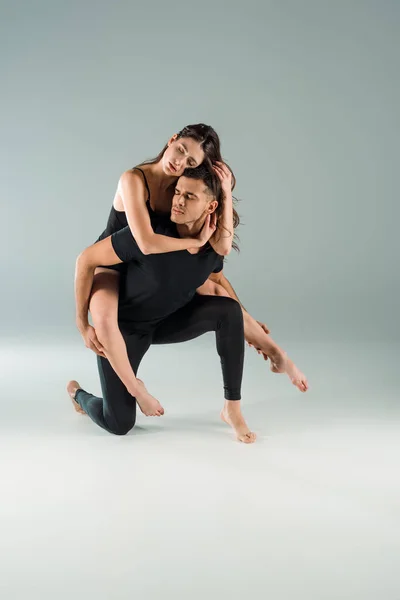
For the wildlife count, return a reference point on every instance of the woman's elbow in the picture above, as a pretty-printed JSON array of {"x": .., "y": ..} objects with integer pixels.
[
  {"x": 146, "y": 246},
  {"x": 146, "y": 249},
  {"x": 225, "y": 250}
]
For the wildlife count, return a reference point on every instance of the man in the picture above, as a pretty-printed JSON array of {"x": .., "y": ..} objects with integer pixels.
[{"x": 158, "y": 305}]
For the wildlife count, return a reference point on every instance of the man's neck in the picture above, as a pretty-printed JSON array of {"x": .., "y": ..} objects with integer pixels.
[{"x": 190, "y": 229}]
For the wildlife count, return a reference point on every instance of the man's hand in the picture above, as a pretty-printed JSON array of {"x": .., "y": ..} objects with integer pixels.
[
  {"x": 264, "y": 327},
  {"x": 266, "y": 330},
  {"x": 91, "y": 341}
]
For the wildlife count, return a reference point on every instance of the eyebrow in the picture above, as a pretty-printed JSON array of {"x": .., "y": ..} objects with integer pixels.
[
  {"x": 188, "y": 193},
  {"x": 188, "y": 153}
]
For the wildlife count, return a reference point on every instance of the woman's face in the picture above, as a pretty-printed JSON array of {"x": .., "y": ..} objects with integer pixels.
[{"x": 180, "y": 155}]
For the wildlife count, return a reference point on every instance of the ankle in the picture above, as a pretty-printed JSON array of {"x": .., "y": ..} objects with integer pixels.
[{"x": 232, "y": 406}]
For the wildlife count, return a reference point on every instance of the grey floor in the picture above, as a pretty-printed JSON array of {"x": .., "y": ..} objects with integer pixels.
[{"x": 178, "y": 509}]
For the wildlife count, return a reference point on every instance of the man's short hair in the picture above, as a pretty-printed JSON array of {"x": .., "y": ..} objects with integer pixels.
[{"x": 205, "y": 173}]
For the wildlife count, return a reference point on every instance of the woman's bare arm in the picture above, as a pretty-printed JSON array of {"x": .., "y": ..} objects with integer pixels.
[
  {"x": 222, "y": 239},
  {"x": 133, "y": 194}
]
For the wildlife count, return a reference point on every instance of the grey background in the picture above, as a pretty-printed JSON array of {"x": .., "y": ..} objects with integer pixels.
[{"x": 305, "y": 97}]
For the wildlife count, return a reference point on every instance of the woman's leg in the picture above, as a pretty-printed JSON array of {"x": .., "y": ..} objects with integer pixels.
[
  {"x": 224, "y": 316},
  {"x": 116, "y": 410},
  {"x": 263, "y": 342},
  {"x": 104, "y": 310}
]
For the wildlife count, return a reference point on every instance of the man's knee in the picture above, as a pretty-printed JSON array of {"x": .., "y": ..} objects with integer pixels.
[
  {"x": 231, "y": 309},
  {"x": 123, "y": 428}
]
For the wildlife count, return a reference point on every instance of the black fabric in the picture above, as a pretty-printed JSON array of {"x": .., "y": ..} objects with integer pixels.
[
  {"x": 117, "y": 220},
  {"x": 145, "y": 183},
  {"x": 116, "y": 410},
  {"x": 156, "y": 285}
]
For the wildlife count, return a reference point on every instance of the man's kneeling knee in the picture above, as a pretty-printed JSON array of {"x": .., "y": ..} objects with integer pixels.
[{"x": 122, "y": 429}]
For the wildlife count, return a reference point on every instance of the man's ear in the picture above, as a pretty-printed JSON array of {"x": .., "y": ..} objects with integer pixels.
[
  {"x": 172, "y": 139},
  {"x": 212, "y": 207}
]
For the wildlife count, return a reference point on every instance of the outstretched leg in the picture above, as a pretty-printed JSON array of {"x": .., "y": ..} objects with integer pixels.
[
  {"x": 280, "y": 362},
  {"x": 256, "y": 336}
]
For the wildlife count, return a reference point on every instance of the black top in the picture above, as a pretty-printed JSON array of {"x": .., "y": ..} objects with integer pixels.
[
  {"x": 117, "y": 218},
  {"x": 157, "y": 285}
]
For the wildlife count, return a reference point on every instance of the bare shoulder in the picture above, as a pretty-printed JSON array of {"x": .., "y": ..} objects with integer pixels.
[{"x": 131, "y": 178}]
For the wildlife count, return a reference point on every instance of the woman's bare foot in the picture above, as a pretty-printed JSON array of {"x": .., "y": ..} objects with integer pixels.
[
  {"x": 72, "y": 387},
  {"x": 281, "y": 363},
  {"x": 232, "y": 415},
  {"x": 149, "y": 405},
  {"x": 295, "y": 375}
]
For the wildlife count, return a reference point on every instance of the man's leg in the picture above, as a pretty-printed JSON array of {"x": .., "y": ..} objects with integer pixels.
[
  {"x": 263, "y": 342},
  {"x": 224, "y": 316},
  {"x": 116, "y": 410}
]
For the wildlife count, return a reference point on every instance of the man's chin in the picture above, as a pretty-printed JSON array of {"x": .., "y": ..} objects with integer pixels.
[{"x": 177, "y": 217}]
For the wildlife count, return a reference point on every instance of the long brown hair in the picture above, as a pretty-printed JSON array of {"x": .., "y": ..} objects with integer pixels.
[
  {"x": 206, "y": 174},
  {"x": 210, "y": 143}
]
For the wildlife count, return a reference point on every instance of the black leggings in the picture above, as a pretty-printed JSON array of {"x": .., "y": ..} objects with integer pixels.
[{"x": 116, "y": 411}]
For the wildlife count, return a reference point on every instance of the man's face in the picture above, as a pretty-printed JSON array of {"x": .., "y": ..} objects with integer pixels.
[{"x": 191, "y": 202}]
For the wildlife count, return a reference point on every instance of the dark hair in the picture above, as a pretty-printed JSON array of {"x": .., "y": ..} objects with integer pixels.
[
  {"x": 208, "y": 139},
  {"x": 210, "y": 143},
  {"x": 205, "y": 173}
]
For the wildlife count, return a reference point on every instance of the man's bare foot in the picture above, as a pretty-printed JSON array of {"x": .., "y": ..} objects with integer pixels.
[
  {"x": 149, "y": 405},
  {"x": 233, "y": 417},
  {"x": 72, "y": 387}
]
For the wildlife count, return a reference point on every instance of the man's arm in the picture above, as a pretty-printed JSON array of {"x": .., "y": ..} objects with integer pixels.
[
  {"x": 99, "y": 254},
  {"x": 107, "y": 333}
]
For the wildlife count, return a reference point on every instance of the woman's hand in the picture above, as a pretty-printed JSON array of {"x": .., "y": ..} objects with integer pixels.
[
  {"x": 224, "y": 175},
  {"x": 91, "y": 340},
  {"x": 208, "y": 229}
]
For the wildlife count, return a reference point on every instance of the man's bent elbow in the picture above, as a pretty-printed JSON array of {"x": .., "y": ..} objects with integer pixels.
[{"x": 83, "y": 258}]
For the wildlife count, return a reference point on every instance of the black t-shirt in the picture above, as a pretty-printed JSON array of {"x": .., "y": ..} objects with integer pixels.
[{"x": 156, "y": 285}]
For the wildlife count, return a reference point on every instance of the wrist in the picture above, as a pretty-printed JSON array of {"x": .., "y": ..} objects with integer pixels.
[{"x": 81, "y": 323}]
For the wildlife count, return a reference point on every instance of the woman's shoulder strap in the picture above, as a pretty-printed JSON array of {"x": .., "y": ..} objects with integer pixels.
[{"x": 145, "y": 180}]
